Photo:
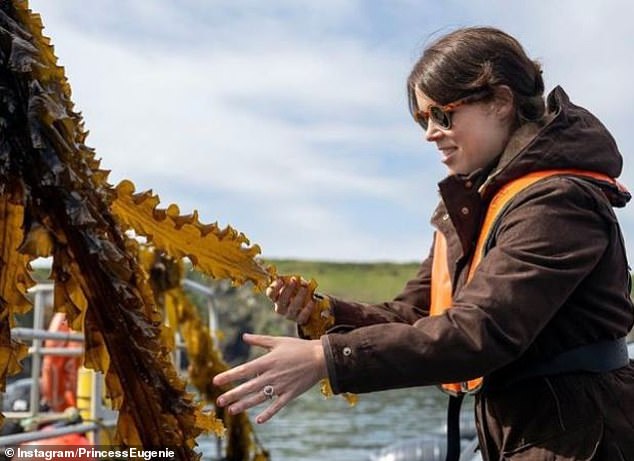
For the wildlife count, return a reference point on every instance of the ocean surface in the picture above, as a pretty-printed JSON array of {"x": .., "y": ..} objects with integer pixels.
[{"x": 313, "y": 428}]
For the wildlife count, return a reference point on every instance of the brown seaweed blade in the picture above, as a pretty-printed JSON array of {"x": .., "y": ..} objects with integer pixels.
[
  {"x": 14, "y": 281},
  {"x": 42, "y": 153},
  {"x": 206, "y": 362},
  {"x": 218, "y": 253},
  {"x": 205, "y": 359},
  {"x": 67, "y": 205}
]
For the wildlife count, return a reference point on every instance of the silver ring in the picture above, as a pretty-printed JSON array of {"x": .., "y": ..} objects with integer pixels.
[{"x": 268, "y": 391}]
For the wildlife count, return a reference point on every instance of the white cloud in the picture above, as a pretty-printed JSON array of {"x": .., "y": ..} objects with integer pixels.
[
  {"x": 267, "y": 124},
  {"x": 277, "y": 116}
]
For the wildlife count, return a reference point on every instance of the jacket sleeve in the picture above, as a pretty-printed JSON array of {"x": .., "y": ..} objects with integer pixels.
[
  {"x": 547, "y": 243},
  {"x": 407, "y": 307}
]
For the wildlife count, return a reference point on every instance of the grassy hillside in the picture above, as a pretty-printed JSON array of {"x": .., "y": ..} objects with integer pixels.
[{"x": 368, "y": 282}]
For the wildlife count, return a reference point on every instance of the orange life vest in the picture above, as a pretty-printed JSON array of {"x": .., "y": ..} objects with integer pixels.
[{"x": 441, "y": 287}]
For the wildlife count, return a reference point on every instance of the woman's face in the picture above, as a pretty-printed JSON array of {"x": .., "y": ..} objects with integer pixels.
[{"x": 478, "y": 134}]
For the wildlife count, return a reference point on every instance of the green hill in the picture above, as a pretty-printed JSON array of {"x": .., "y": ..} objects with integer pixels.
[{"x": 367, "y": 282}]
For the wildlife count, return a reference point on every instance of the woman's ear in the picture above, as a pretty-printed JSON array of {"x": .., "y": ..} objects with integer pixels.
[{"x": 504, "y": 103}]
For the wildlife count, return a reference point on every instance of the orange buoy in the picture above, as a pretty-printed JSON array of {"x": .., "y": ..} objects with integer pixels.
[
  {"x": 59, "y": 372},
  {"x": 66, "y": 447}
]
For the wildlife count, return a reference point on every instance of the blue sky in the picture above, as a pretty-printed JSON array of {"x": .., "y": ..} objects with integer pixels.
[{"x": 288, "y": 119}]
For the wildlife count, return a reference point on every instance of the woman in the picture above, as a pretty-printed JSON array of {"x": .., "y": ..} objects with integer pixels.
[{"x": 527, "y": 284}]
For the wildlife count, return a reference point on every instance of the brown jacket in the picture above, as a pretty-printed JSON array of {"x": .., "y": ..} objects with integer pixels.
[{"x": 556, "y": 277}]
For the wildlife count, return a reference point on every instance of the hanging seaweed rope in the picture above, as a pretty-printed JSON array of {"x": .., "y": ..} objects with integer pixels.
[
  {"x": 204, "y": 358},
  {"x": 56, "y": 201}
]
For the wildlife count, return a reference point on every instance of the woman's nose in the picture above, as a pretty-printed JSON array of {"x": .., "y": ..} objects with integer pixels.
[{"x": 432, "y": 133}]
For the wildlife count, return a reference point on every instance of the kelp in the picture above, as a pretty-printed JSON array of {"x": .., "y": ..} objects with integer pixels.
[
  {"x": 51, "y": 182},
  {"x": 220, "y": 253},
  {"x": 15, "y": 279},
  {"x": 204, "y": 357},
  {"x": 217, "y": 252},
  {"x": 55, "y": 201}
]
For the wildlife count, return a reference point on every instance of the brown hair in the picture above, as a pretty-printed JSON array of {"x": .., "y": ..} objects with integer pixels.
[{"x": 477, "y": 59}]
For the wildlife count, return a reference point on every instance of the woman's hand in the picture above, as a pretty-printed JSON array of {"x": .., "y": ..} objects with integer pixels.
[
  {"x": 291, "y": 298},
  {"x": 290, "y": 368}
]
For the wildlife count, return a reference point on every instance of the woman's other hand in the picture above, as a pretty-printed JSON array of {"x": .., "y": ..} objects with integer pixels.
[
  {"x": 292, "y": 299},
  {"x": 290, "y": 368}
]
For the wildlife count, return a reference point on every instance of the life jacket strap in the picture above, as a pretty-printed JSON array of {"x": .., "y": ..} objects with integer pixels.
[
  {"x": 453, "y": 427},
  {"x": 598, "y": 357}
]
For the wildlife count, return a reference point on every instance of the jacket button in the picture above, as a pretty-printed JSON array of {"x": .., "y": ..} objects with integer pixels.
[
  {"x": 347, "y": 351},
  {"x": 468, "y": 184},
  {"x": 464, "y": 210}
]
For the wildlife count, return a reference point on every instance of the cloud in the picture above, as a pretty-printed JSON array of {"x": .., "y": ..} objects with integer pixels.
[
  {"x": 288, "y": 119},
  {"x": 282, "y": 128}
]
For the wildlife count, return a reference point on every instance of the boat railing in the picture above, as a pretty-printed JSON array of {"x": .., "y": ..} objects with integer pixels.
[{"x": 100, "y": 417}]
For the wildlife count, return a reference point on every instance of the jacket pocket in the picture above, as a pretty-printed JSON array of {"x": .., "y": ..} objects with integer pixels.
[
  {"x": 525, "y": 415},
  {"x": 542, "y": 412},
  {"x": 580, "y": 444}
]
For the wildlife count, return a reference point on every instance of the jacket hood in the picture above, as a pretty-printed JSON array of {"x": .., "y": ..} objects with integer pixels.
[{"x": 570, "y": 137}]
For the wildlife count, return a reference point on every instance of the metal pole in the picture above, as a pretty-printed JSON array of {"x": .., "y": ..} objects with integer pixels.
[
  {"x": 16, "y": 439},
  {"x": 213, "y": 319},
  {"x": 33, "y": 333},
  {"x": 96, "y": 413},
  {"x": 60, "y": 351},
  {"x": 36, "y": 358}
]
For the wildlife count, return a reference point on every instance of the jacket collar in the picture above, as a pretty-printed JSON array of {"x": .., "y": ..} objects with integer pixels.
[{"x": 568, "y": 136}]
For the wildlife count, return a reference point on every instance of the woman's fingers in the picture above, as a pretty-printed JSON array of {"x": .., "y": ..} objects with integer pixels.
[
  {"x": 296, "y": 303},
  {"x": 272, "y": 409},
  {"x": 273, "y": 290},
  {"x": 286, "y": 293},
  {"x": 244, "y": 404},
  {"x": 304, "y": 316},
  {"x": 239, "y": 393},
  {"x": 254, "y": 398},
  {"x": 247, "y": 370},
  {"x": 291, "y": 367},
  {"x": 234, "y": 374},
  {"x": 291, "y": 299},
  {"x": 266, "y": 342}
]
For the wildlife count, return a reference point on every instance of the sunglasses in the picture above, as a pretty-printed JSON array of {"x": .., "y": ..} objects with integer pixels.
[{"x": 441, "y": 115}]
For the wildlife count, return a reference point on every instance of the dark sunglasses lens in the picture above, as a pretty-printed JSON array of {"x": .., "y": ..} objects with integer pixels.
[
  {"x": 440, "y": 117},
  {"x": 422, "y": 120}
]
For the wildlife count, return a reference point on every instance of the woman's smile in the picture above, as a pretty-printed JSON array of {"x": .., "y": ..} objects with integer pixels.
[{"x": 446, "y": 154}]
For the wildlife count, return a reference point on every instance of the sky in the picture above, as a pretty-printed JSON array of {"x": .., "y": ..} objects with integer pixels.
[{"x": 288, "y": 119}]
